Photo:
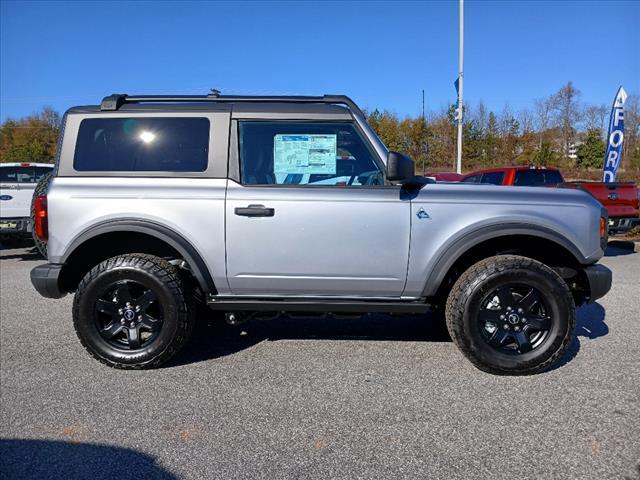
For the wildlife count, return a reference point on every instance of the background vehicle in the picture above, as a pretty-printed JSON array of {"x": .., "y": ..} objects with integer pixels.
[
  {"x": 17, "y": 184},
  {"x": 620, "y": 199},
  {"x": 444, "y": 176},
  {"x": 163, "y": 203},
  {"x": 518, "y": 176}
]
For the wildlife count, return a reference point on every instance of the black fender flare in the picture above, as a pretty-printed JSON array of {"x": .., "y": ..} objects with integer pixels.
[
  {"x": 157, "y": 230},
  {"x": 470, "y": 239}
]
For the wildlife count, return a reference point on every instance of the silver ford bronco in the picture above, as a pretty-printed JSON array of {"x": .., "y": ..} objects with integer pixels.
[{"x": 247, "y": 205}]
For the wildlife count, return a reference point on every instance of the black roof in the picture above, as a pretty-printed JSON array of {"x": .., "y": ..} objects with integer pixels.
[{"x": 116, "y": 101}]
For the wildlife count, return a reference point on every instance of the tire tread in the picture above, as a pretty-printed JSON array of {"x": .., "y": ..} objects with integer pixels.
[
  {"x": 168, "y": 274},
  {"x": 470, "y": 280}
]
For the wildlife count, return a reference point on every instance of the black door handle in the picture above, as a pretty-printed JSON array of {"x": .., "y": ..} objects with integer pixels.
[{"x": 255, "y": 211}]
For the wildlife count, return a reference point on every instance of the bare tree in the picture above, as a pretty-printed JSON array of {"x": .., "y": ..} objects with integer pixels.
[
  {"x": 481, "y": 117},
  {"x": 506, "y": 120},
  {"x": 631, "y": 145},
  {"x": 526, "y": 119},
  {"x": 566, "y": 107},
  {"x": 594, "y": 117},
  {"x": 543, "y": 112}
]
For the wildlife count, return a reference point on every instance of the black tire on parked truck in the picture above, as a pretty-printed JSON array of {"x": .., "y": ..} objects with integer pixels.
[
  {"x": 41, "y": 189},
  {"x": 133, "y": 311},
  {"x": 511, "y": 315}
]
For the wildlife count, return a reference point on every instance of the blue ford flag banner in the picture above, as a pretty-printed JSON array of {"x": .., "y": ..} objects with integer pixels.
[
  {"x": 458, "y": 113},
  {"x": 615, "y": 137}
]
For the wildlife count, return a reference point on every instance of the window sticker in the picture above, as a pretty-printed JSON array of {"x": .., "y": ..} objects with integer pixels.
[{"x": 304, "y": 154}]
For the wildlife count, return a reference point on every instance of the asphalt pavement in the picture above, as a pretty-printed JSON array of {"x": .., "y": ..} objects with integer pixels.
[{"x": 375, "y": 397}]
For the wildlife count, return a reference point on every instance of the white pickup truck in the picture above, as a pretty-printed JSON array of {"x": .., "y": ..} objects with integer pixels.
[{"x": 17, "y": 183}]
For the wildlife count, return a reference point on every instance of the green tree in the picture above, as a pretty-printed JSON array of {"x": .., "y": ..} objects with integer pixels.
[
  {"x": 387, "y": 126},
  {"x": 491, "y": 140},
  {"x": 591, "y": 153},
  {"x": 546, "y": 155}
]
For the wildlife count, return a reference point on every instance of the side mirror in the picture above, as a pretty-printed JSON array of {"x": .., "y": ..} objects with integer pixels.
[{"x": 400, "y": 168}]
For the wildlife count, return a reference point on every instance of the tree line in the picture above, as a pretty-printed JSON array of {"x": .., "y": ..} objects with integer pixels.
[
  {"x": 558, "y": 130},
  {"x": 30, "y": 139}
]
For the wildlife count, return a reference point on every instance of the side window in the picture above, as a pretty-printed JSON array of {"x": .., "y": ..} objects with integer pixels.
[
  {"x": 494, "y": 178},
  {"x": 142, "y": 144},
  {"x": 305, "y": 153},
  {"x": 471, "y": 179}
]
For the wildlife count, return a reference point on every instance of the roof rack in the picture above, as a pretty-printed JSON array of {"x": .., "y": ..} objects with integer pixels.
[{"x": 115, "y": 101}]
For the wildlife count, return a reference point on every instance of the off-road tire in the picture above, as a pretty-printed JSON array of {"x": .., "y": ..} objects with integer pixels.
[
  {"x": 478, "y": 281},
  {"x": 160, "y": 275},
  {"x": 41, "y": 189}
]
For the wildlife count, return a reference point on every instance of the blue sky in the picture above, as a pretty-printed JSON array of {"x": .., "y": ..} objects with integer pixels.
[{"x": 382, "y": 54}]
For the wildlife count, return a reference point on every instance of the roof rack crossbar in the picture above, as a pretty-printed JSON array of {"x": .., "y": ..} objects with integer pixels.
[{"x": 117, "y": 100}]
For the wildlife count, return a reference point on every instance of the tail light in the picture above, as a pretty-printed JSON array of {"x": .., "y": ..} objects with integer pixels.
[
  {"x": 41, "y": 221},
  {"x": 603, "y": 227}
]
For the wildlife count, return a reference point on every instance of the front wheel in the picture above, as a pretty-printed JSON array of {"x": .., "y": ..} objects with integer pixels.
[
  {"x": 131, "y": 311},
  {"x": 511, "y": 315}
]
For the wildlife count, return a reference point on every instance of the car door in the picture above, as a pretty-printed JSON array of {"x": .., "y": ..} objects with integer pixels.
[{"x": 312, "y": 214}]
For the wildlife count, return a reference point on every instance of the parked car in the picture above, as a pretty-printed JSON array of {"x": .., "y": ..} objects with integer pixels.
[
  {"x": 17, "y": 184},
  {"x": 162, "y": 203},
  {"x": 620, "y": 199}
]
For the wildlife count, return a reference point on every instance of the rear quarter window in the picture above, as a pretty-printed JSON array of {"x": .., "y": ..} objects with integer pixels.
[{"x": 142, "y": 145}]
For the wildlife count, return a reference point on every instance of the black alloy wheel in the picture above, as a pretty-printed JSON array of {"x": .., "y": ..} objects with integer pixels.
[
  {"x": 511, "y": 315},
  {"x": 514, "y": 318},
  {"x": 133, "y": 311},
  {"x": 128, "y": 315}
]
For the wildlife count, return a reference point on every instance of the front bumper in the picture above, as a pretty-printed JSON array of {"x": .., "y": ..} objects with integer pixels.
[
  {"x": 15, "y": 226},
  {"x": 599, "y": 279},
  {"x": 45, "y": 279}
]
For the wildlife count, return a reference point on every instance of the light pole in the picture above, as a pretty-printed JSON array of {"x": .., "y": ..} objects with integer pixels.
[{"x": 460, "y": 82}]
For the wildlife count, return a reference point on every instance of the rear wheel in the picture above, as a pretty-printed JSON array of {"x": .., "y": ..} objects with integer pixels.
[
  {"x": 511, "y": 315},
  {"x": 132, "y": 311}
]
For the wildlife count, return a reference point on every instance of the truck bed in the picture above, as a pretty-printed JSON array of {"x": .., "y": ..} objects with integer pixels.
[{"x": 620, "y": 199}]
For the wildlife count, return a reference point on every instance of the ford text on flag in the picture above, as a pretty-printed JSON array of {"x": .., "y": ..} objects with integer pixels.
[{"x": 615, "y": 138}]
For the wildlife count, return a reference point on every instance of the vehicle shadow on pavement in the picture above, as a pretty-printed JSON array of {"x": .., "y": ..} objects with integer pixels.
[
  {"x": 12, "y": 253},
  {"x": 58, "y": 460},
  {"x": 213, "y": 338},
  {"x": 589, "y": 324},
  {"x": 616, "y": 248}
]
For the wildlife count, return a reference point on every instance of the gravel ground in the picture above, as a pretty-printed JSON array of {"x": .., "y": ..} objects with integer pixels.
[{"x": 375, "y": 397}]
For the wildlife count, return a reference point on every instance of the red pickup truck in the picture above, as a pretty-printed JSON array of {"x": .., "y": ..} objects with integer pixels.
[{"x": 620, "y": 199}]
